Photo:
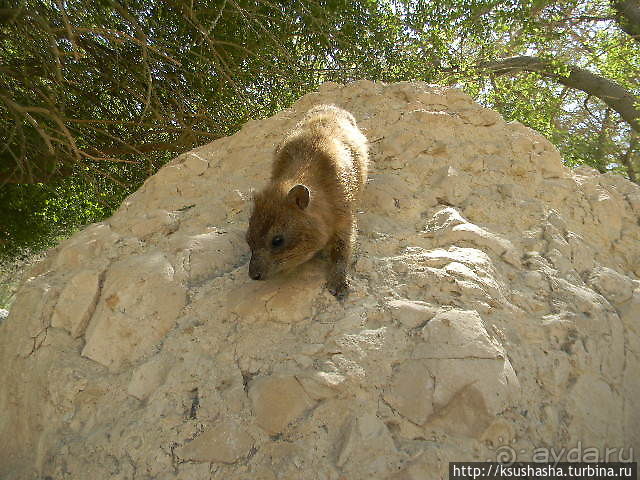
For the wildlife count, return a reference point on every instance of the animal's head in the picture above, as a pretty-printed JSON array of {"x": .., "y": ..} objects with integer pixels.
[{"x": 282, "y": 234}]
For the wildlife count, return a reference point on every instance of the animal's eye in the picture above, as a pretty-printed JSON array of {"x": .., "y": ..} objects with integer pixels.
[{"x": 277, "y": 241}]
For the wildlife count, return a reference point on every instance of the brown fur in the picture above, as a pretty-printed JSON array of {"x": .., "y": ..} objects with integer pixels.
[{"x": 317, "y": 177}]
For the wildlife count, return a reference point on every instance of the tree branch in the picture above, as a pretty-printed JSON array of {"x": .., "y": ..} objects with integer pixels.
[
  {"x": 145, "y": 148},
  {"x": 610, "y": 92},
  {"x": 628, "y": 16}
]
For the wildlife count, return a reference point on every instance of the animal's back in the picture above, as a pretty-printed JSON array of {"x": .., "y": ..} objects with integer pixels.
[{"x": 325, "y": 149}]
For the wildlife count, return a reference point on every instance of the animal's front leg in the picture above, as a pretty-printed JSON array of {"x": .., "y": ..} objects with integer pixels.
[{"x": 339, "y": 250}]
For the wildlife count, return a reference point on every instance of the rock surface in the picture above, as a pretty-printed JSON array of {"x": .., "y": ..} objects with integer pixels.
[{"x": 495, "y": 309}]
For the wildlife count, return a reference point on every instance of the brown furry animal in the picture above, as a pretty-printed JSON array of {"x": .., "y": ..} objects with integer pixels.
[{"x": 318, "y": 173}]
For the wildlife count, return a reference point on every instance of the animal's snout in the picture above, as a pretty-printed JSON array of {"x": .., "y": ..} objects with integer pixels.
[
  {"x": 255, "y": 275},
  {"x": 255, "y": 271}
]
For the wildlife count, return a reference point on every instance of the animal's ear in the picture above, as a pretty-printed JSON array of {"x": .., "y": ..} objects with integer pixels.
[{"x": 300, "y": 195}]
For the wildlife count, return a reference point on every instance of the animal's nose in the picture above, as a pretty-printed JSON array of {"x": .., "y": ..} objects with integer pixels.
[
  {"x": 255, "y": 275},
  {"x": 255, "y": 272}
]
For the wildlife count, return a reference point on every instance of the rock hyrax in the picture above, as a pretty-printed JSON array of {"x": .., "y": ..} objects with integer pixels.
[{"x": 317, "y": 176}]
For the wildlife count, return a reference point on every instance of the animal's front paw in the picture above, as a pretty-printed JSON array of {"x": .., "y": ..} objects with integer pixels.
[{"x": 338, "y": 287}]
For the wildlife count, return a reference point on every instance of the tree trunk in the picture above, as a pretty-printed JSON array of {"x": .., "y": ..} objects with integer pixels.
[
  {"x": 610, "y": 92},
  {"x": 625, "y": 158},
  {"x": 602, "y": 138}
]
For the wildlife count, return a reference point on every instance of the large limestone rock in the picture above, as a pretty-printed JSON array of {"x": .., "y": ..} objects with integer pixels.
[{"x": 495, "y": 305}]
